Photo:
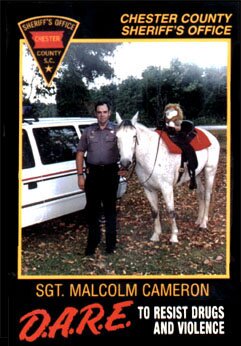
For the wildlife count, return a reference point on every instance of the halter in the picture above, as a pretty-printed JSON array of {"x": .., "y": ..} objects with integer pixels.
[
  {"x": 134, "y": 159},
  {"x": 124, "y": 123},
  {"x": 133, "y": 165}
]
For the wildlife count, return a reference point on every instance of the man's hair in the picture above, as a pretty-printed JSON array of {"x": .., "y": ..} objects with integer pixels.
[{"x": 101, "y": 103}]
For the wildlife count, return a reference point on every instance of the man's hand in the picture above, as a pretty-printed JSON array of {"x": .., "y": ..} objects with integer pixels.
[
  {"x": 81, "y": 182},
  {"x": 122, "y": 172}
]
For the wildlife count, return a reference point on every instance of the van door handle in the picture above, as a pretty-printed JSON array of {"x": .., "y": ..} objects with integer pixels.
[{"x": 32, "y": 185}]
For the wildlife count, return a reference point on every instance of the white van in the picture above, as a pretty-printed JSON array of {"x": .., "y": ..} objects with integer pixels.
[{"x": 49, "y": 186}]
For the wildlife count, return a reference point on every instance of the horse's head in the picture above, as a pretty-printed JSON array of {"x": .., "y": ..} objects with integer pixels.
[{"x": 126, "y": 139}]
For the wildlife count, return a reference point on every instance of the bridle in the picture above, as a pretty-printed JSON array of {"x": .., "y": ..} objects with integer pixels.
[
  {"x": 134, "y": 160},
  {"x": 133, "y": 165}
]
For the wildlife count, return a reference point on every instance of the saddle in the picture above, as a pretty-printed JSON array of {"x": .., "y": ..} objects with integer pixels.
[{"x": 185, "y": 142}]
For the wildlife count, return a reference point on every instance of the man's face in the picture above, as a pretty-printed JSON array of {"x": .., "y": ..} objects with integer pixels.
[{"x": 103, "y": 114}]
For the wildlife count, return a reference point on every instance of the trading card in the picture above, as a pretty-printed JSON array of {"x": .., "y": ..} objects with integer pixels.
[{"x": 120, "y": 170}]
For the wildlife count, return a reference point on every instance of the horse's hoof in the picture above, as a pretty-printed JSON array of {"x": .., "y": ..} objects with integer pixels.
[
  {"x": 174, "y": 242},
  {"x": 174, "y": 239},
  {"x": 203, "y": 229},
  {"x": 197, "y": 222},
  {"x": 155, "y": 238}
]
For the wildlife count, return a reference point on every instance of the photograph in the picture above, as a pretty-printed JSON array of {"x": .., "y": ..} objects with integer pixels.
[{"x": 169, "y": 109}]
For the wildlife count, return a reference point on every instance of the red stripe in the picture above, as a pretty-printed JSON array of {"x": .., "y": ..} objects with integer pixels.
[{"x": 49, "y": 175}]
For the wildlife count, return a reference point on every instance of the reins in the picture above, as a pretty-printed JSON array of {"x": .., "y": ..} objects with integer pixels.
[
  {"x": 158, "y": 145},
  {"x": 134, "y": 163}
]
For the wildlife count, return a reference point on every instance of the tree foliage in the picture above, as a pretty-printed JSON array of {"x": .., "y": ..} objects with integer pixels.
[
  {"x": 35, "y": 88},
  {"x": 202, "y": 93},
  {"x": 83, "y": 63},
  {"x": 90, "y": 60},
  {"x": 72, "y": 95}
]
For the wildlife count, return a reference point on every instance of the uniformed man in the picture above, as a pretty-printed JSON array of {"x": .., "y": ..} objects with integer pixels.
[{"x": 101, "y": 183}]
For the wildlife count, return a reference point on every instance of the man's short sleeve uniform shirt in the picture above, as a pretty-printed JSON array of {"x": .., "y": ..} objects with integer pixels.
[{"x": 100, "y": 144}]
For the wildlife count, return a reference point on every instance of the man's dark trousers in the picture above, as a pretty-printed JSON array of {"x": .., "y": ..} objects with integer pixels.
[{"x": 101, "y": 193}]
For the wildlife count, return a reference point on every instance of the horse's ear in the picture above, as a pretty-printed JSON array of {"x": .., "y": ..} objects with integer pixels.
[
  {"x": 118, "y": 118},
  {"x": 134, "y": 119}
]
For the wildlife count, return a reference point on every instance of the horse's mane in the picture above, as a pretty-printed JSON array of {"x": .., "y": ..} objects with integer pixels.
[
  {"x": 143, "y": 127},
  {"x": 149, "y": 131},
  {"x": 126, "y": 123}
]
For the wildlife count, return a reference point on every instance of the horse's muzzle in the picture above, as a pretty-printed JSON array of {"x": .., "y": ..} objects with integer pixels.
[{"x": 125, "y": 163}]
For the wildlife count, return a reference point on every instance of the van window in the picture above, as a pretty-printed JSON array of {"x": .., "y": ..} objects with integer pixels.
[
  {"x": 56, "y": 144},
  {"x": 28, "y": 160},
  {"x": 82, "y": 127}
]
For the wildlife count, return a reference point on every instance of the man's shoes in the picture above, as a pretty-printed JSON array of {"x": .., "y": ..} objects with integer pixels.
[
  {"x": 89, "y": 251},
  {"x": 110, "y": 250}
]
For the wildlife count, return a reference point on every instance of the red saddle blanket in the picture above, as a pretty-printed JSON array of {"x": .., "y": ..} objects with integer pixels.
[{"x": 199, "y": 142}]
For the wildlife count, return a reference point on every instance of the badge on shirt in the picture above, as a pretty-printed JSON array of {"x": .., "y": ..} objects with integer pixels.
[{"x": 92, "y": 134}]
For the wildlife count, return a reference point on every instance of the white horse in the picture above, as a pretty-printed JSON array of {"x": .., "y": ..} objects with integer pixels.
[{"x": 160, "y": 171}]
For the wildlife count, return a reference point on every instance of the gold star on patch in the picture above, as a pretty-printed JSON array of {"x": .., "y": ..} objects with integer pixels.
[{"x": 48, "y": 68}]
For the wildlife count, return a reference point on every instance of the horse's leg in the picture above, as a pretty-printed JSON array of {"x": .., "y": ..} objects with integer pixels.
[
  {"x": 152, "y": 197},
  {"x": 201, "y": 200},
  {"x": 168, "y": 196},
  {"x": 209, "y": 180}
]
